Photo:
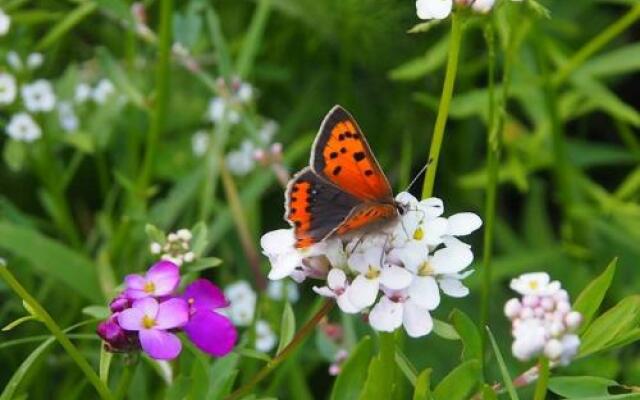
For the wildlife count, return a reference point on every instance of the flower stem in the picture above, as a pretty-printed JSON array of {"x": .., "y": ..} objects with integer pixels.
[
  {"x": 543, "y": 379},
  {"x": 445, "y": 102},
  {"x": 43, "y": 315},
  {"x": 161, "y": 99},
  {"x": 125, "y": 380},
  {"x": 596, "y": 44},
  {"x": 238, "y": 215},
  {"x": 286, "y": 352}
]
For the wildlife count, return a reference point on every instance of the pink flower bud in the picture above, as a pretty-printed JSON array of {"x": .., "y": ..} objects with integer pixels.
[
  {"x": 561, "y": 295},
  {"x": 563, "y": 306},
  {"x": 553, "y": 349},
  {"x": 547, "y": 303},
  {"x": 573, "y": 320},
  {"x": 538, "y": 312},
  {"x": 512, "y": 308},
  {"x": 530, "y": 300},
  {"x": 526, "y": 313}
]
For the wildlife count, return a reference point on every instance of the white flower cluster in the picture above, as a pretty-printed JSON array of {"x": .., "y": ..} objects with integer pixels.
[
  {"x": 542, "y": 321},
  {"x": 395, "y": 275},
  {"x": 176, "y": 248},
  {"x": 243, "y": 160},
  {"x": 100, "y": 93},
  {"x": 241, "y": 310},
  {"x": 231, "y": 98},
  {"x": 441, "y": 9}
]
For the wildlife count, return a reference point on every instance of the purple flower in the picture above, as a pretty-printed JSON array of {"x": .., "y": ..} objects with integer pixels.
[
  {"x": 115, "y": 338},
  {"x": 210, "y": 331},
  {"x": 119, "y": 303},
  {"x": 161, "y": 280},
  {"x": 152, "y": 320}
]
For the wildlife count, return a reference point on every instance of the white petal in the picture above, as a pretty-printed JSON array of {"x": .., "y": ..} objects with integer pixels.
[
  {"x": 346, "y": 305},
  {"x": 463, "y": 223},
  {"x": 283, "y": 266},
  {"x": 450, "y": 260},
  {"x": 395, "y": 277},
  {"x": 412, "y": 255},
  {"x": 324, "y": 291},
  {"x": 363, "y": 291},
  {"x": 416, "y": 320},
  {"x": 278, "y": 241},
  {"x": 453, "y": 287},
  {"x": 434, "y": 230},
  {"x": 366, "y": 258},
  {"x": 336, "y": 279},
  {"x": 407, "y": 198},
  {"x": 386, "y": 316},
  {"x": 433, "y": 9},
  {"x": 335, "y": 253},
  {"x": 432, "y": 207},
  {"x": 424, "y": 292}
]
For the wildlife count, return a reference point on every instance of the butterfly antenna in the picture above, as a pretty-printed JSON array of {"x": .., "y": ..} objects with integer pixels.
[{"x": 419, "y": 174}]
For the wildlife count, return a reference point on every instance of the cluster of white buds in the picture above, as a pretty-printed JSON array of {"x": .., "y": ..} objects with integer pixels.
[
  {"x": 232, "y": 96},
  {"x": 542, "y": 320},
  {"x": 176, "y": 248}
]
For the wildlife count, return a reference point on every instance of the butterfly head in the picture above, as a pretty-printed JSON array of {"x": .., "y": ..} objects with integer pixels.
[{"x": 401, "y": 207}]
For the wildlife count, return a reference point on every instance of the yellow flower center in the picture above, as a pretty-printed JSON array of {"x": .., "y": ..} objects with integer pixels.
[
  {"x": 418, "y": 234},
  {"x": 372, "y": 273},
  {"x": 533, "y": 285},
  {"x": 149, "y": 287},
  {"x": 148, "y": 322},
  {"x": 425, "y": 269}
]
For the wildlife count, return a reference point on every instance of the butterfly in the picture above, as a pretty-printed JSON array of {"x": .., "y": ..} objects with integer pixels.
[{"x": 343, "y": 190}]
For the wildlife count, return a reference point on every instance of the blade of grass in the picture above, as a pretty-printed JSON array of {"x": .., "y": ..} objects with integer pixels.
[
  {"x": 253, "y": 38},
  {"x": 72, "y": 19},
  {"x": 508, "y": 383}
]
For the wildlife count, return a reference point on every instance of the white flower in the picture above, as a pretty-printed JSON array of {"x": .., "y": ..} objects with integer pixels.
[
  {"x": 265, "y": 338},
  {"x": 34, "y": 60},
  {"x": 38, "y": 96},
  {"x": 529, "y": 339},
  {"x": 267, "y": 132},
  {"x": 14, "y": 61},
  {"x": 8, "y": 88},
  {"x": 82, "y": 93},
  {"x": 155, "y": 248},
  {"x": 535, "y": 283},
  {"x": 433, "y": 9},
  {"x": 102, "y": 91},
  {"x": 241, "y": 162},
  {"x": 391, "y": 313},
  {"x": 67, "y": 117},
  {"x": 218, "y": 109},
  {"x": 5, "y": 23},
  {"x": 281, "y": 289},
  {"x": 23, "y": 128},
  {"x": 242, "y": 303},
  {"x": 482, "y": 6},
  {"x": 336, "y": 288},
  {"x": 244, "y": 92},
  {"x": 184, "y": 234},
  {"x": 200, "y": 143}
]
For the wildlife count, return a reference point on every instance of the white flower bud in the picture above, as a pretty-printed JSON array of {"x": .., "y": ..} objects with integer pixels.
[
  {"x": 553, "y": 349},
  {"x": 561, "y": 295},
  {"x": 538, "y": 312},
  {"x": 563, "y": 306},
  {"x": 526, "y": 313},
  {"x": 155, "y": 248},
  {"x": 184, "y": 234},
  {"x": 512, "y": 308},
  {"x": 189, "y": 257},
  {"x": 547, "y": 303},
  {"x": 556, "y": 328},
  {"x": 573, "y": 320},
  {"x": 530, "y": 300},
  {"x": 172, "y": 237}
]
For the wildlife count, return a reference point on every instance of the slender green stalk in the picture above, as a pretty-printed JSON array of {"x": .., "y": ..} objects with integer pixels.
[
  {"x": 56, "y": 331},
  {"x": 238, "y": 215},
  {"x": 125, "y": 380},
  {"x": 543, "y": 379},
  {"x": 214, "y": 156},
  {"x": 159, "y": 114},
  {"x": 297, "y": 340},
  {"x": 445, "y": 102},
  {"x": 596, "y": 44}
]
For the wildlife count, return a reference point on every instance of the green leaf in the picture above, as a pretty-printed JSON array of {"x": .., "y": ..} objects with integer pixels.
[
  {"x": 590, "y": 299},
  {"x": 422, "y": 389},
  {"x": 348, "y": 384},
  {"x": 14, "y": 153},
  {"x": 219, "y": 43},
  {"x": 459, "y": 383},
  {"x": 620, "y": 61},
  {"x": 580, "y": 386},
  {"x": 105, "y": 364},
  {"x": 421, "y": 66},
  {"x": 82, "y": 141},
  {"x": 506, "y": 377},
  {"x": 70, "y": 20},
  {"x": 203, "y": 264},
  {"x": 605, "y": 99},
  {"x": 287, "y": 327},
  {"x": 253, "y": 38},
  {"x": 445, "y": 330},
  {"x": 409, "y": 370},
  {"x": 199, "y": 241},
  {"x": 20, "y": 373},
  {"x": 222, "y": 374},
  {"x": 52, "y": 259},
  {"x": 423, "y": 27},
  {"x": 488, "y": 393},
  {"x": 18, "y": 321},
  {"x": 469, "y": 334},
  {"x": 380, "y": 382},
  {"x": 251, "y": 353},
  {"x": 118, "y": 8},
  {"x": 154, "y": 234},
  {"x": 95, "y": 311},
  {"x": 612, "y": 327}
]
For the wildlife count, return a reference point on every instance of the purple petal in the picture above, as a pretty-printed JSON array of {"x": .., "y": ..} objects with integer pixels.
[
  {"x": 134, "y": 294},
  {"x": 211, "y": 332},
  {"x": 159, "y": 344},
  {"x": 148, "y": 306},
  {"x": 204, "y": 295},
  {"x": 131, "y": 319},
  {"x": 134, "y": 281},
  {"x": 165, "y": 277},
  {"x": 172, "y": 313}
]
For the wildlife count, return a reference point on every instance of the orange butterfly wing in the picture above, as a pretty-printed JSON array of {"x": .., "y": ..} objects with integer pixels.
[{"x": 342, "y": 156}]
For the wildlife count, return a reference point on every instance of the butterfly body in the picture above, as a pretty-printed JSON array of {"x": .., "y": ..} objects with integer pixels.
[{"x": 344, "y": 190}]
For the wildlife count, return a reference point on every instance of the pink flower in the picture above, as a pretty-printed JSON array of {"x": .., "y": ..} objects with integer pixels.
[
  {"x": 209, "y": 330},
  {"x": 152, "y": 320},
  {"x": 161, "y": 280}
]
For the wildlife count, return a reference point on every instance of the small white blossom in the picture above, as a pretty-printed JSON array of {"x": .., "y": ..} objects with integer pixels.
[
  {"x": 67, "y": 117},
  {"x": 5, "y": 23},
  {"x": 82, "y": 93},
  {"x": 242, "y": 303},
  {"x": 219, "y": 109},
  {"x": 155, "y": 248},
  {"x": 433, "y": 9},
  {"x": 35, "y": 60},
  {"x": 537, "y": 283},
  {"x": 176, "y": 248},
  {"x": 200, "y": 143},
  {"x": 103, "y": 90},
  {"x": 241, "y": 161},
  {"x": 267, "y": 132},
  {"x": 281, "y": 289},
  {"x": 482, "y": 6},
  {"x": 14, "y": 61},
  {"x": 23, "y": 128},
  {"x": 265, "y": 338},
  {"x": 38, "y": 96},
  {"x": 8, "y": 88}
]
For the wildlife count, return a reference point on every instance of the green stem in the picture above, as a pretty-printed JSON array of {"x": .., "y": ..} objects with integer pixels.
[
  {"x": 596, "y": 44},
  {"x": 543, "y": 380},
  {"x": 445, "y": 102},
  {"x": 161, "y": 99},
  {"x": 125, "y": 380},
  {"x": 286, "y": 352},
  {"x": 239, "y": 218},
  {"x": 43, "y": 315}
]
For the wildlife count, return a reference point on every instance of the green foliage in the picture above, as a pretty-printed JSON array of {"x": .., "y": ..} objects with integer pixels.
[{"x": 348, "y": 385}]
